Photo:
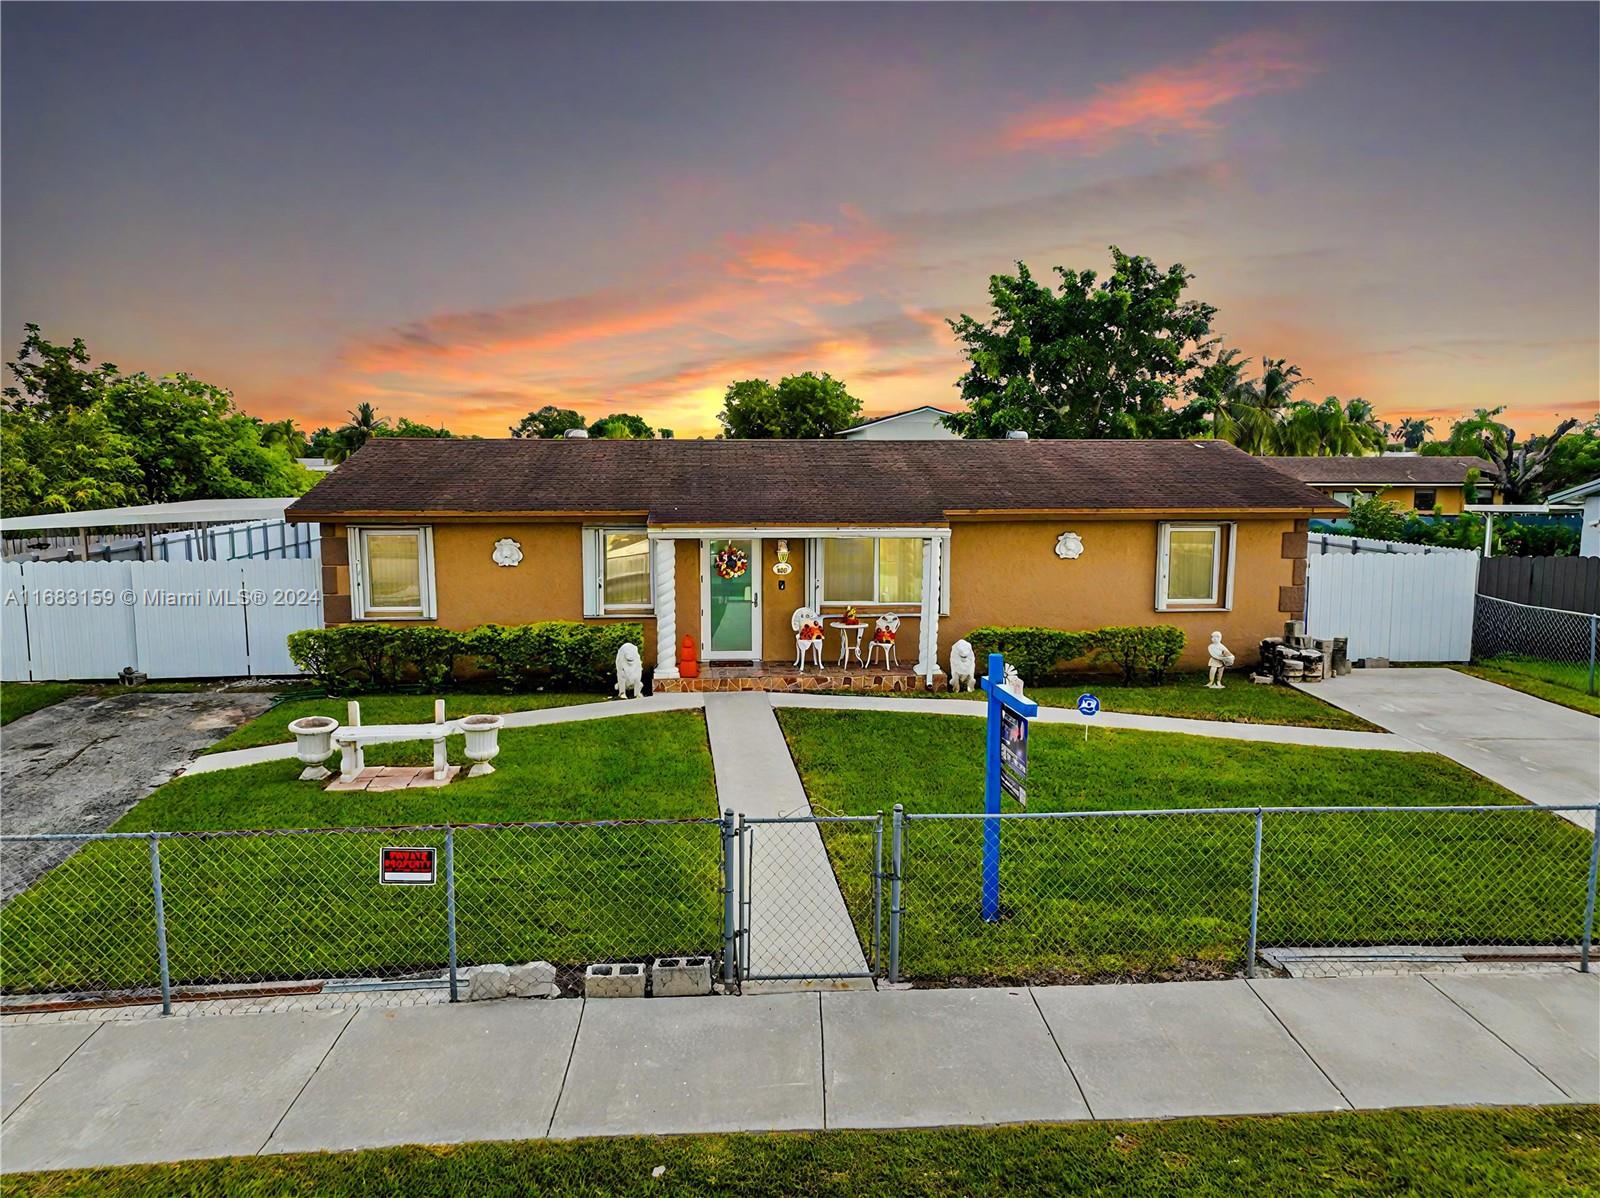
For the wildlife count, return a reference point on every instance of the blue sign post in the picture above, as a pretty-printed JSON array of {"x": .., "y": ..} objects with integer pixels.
[{"x": 1000, "y": 700}]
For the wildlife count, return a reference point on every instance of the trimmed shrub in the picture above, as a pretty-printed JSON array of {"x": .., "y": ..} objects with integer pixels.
[
  {"x": 556, "y": 655},
  {"x": 1040, "y": 653}
]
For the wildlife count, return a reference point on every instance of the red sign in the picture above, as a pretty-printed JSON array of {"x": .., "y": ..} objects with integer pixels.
[{"x": 408, "y": 867}]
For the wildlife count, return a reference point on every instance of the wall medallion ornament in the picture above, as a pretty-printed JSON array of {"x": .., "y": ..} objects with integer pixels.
[
  {"x": 1068, "y": 546},
  {"x": 507, "y": 552},
  {"x": 783, "y": 567}
]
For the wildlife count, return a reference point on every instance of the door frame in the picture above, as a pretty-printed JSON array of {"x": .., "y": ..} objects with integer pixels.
[{"x": 706, "y": 652}]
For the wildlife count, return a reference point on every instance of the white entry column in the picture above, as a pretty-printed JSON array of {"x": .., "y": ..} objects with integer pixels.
[
  {"x": 932, "y": 589},
  {"x": 666, "y": 587}
]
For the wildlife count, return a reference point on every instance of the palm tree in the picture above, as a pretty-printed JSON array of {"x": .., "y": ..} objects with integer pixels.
[
  {"x": 363, "y": 424},
  {"x": 1329, "y": 429},
  {"x": 287, "y": 434},
  {"x": 1215, "y": 388},
  {"x": 1253, "y": 414},
  {"x": 1414, "y": 431}
]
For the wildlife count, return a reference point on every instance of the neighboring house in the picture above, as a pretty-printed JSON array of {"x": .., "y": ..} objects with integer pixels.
[
  {"x": 1587, "y": 494},
  {"x": 914, "y": 424},
  {"x": 949, "y": 535},
  {"x": 1414, "y": 482},
  {"x": 320, "y": 465}
]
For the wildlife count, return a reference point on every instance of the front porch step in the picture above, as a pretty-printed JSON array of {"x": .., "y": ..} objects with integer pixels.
[{"x": 789, "y": 678}]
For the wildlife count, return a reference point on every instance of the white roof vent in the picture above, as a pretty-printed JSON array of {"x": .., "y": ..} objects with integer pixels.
[
  {"x": 1016, "y": 434},
  {"x": 576, "y": 434}
]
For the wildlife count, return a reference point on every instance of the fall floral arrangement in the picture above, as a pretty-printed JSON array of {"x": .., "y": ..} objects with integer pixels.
[
  {"x": 811, "y": 632},
  {"x": 731, "y": 562}
]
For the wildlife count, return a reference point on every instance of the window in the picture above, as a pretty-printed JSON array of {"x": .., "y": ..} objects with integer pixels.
[
  {"x": 1190, "y": 567},
  {"x": 1425, "y": 501},
  {"x": 1346, "y": 497},
  {"x": 392, "y": 573},
  {"x": 617, "y": 564},
  {"x": 872, "y": 570}
]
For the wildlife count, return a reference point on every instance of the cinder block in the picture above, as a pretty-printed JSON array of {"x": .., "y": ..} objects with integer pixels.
[
  {"x": 536, "y": 979},
  {"x": 488, "y": 982},
  {"x": 677, "y": 977},
  {"x": 614, "y": 981}
]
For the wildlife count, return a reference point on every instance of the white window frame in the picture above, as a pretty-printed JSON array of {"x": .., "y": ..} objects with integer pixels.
[
  {"x": 877, "y": 559},
  {"x": 360, "y": 609},
  {"x": 594, "y": 573},
  {"x": 1224, "y": 532}
]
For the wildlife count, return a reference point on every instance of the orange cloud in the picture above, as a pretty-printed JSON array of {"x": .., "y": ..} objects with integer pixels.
[
  {"x": 1173, "y": 98},
  {"x": 805, "y": 252}
]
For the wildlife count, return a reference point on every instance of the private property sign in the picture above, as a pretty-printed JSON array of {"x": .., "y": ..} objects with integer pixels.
[{"x": 408, "y": 866}]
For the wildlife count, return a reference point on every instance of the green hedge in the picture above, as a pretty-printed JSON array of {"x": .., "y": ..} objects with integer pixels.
[
  {"x": 1040, "y": 653},
  {"x": 555, "y": 655}
]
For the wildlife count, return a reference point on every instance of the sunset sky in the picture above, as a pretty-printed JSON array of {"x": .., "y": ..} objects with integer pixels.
[{"x": 462, "y": 212}]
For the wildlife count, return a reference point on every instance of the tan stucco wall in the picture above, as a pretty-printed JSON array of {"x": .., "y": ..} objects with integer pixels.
[
  {"x": 1002, "y": 572},
  {"x": 1449, "y": 500},
  {"x": 1008, "y": 573}
]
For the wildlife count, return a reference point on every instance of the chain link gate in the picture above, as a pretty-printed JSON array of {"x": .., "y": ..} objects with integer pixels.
[{"x": 810, "y": 897}]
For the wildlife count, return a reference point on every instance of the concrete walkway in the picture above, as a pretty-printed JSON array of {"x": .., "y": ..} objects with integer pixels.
[
  {"x": 108, "y": 1093},
  {"x": 513, "y": 719},
  {"x": 797, "y": 919},
  {"x": 1280, "y": 734},
  {"x": 1546, "y": 753},
  {"x": 1277, "y": 734}
]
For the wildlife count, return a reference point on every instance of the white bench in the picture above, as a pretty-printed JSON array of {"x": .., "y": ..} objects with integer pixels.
[{"x": 351, "y": 738}]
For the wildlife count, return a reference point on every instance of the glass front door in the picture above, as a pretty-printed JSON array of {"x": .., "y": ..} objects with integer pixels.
[{"x": 734, "y": 580}]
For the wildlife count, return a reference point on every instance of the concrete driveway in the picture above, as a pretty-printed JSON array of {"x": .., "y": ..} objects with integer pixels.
[
  {"x": 77, "y": 766},
  {"x": 1548, "y": 754}
]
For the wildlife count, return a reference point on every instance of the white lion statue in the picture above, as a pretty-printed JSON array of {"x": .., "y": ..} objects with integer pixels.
[
  {"x": 963, "y": 667},
  {"x": 630, "y": 671}
]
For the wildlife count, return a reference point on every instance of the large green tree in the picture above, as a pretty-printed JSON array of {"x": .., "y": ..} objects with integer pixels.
[
  {"x": 80, "y": 436},
  {"x": 808, "y": 405},
  {"x": 1575, "y": 458},
  {"x": 1329, "y": 429},
  {"x": 1091, "y": 358},
  {"x": 548, "y": 421},
  {"x": 622, "y": 426}
]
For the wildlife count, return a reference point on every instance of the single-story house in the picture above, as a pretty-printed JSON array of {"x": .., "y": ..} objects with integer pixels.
[
  {"x": 1412, "y": 481},
  {"x": 914, "y": 424},
  {"x": 1588, "y": 494},
  {"x": 723, "y": 540}
]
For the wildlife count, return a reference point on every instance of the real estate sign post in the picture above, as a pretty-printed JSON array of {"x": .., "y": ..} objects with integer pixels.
[{"x": 1004, "y": 708}]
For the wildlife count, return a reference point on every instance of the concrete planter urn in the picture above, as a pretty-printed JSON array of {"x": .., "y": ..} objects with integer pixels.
[
  {"x": 313, "y": 744},
  {"x": 483, "y": 742}
]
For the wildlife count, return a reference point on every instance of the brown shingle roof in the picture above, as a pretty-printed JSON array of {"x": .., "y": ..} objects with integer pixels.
[
  {"x": 1383, "y": 469},
  {"x": 796, "y": 482}
]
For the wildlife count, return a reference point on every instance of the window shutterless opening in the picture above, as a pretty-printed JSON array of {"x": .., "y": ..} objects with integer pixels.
[
  {"x": 1194, "y": 566},
  {"x": 391, "y": 574}
]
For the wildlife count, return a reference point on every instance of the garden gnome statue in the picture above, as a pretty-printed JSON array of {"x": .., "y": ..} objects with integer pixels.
[
  {"x": 630, "y": 671},
  {"x": 1218, "y": 660},
  {"x": 963, "y": 666}
]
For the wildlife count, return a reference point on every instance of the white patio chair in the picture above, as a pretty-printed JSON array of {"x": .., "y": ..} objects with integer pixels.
[
  {"x": 886, "y": 624},
  {"x": 807, "y": 625}
]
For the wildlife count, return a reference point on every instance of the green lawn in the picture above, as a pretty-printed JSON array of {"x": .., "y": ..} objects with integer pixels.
[
  {"x": 271, "y": 728},
  {"x": 18, "y": 699},
  {"x": 1240, "y": 701},
  {"x": 1518, "y": 1153},
  {"x": 1129, "y": 897},
  {"x": 1562, "y": 682},
  {"x": 240, "y": 908}
]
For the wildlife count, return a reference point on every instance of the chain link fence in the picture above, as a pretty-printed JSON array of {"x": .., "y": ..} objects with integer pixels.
[
  {"x": 141, "y": 912},
  {"x": 1173, "y": 893},
  {"x": 810, "y": 897},
  {"x": 1545, "y": 643},
  {"x": 1083, "y": 896}
]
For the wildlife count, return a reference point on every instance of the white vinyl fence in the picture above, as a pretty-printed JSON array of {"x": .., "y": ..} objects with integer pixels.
[
  {"x": 1405, "y": 606},
  {"x": 89, "y": 620}
]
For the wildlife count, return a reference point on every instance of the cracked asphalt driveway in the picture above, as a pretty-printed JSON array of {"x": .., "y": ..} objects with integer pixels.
[{"x": 78, "y": 765}]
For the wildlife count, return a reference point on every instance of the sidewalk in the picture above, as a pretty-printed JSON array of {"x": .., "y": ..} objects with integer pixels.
[
  {"x": 1546, "y": 753},
  {"x": 82, "y": 1093}
]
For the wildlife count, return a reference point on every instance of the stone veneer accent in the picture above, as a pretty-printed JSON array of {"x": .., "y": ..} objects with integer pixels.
[{"x": 1292, "y": 599}]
